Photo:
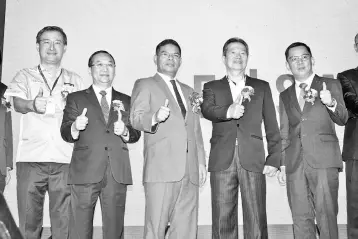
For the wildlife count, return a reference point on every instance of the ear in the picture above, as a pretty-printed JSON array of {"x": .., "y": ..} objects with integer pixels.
[
  {"x": 313, "y": 61},
  {"x": 288, "y": 66},
  {"x": 223, "y": 59},
  {"x": 64, "y": 48},
  {"x": 89, "y": 71},
  {"x": 37, "y": 47},
  {"x": 155, "y": 59},
  {"x": 356, "y": 47}
]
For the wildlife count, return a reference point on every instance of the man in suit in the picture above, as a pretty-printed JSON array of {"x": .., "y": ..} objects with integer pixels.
[
  {"x": 237, "y": 156},
  {"x": 311, "y": 157},
  {"x": 43, "y": 157},
  {"x": 100, "y": 165},
  {"x": 174, "y": 158},
  {"x": 349, "y": 82},
  {"x": 6, "y": 148}
]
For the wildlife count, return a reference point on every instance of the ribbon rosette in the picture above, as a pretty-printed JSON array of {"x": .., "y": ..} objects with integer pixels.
[
  {"x": 196, "y": 100},
  {"x": 118, "y": 106},
  {"x": 66, "y": 89},
  {"x": 246, "y": 93},
  {"x": 310, "y": 95}
]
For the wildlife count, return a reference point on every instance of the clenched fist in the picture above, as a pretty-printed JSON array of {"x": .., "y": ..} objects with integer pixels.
[{"x": 163, "y": 113}]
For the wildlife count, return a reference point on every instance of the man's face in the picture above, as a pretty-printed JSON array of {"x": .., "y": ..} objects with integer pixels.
[
  {"x": 51, "y": 47},
  {"x": 300, "y": 63},
  {"x": 236, "y": 57},
  {"x": 103, "y": 70},
  {"x": 168, "y": 60}
]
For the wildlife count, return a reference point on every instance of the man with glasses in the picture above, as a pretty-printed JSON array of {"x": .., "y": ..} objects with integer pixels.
[
  {"x": 174, "y": 157},
  {"x": 311, "y": 156},
  {"x": 237, "y": 155},
  {"x": 96, "y": 120},
  {"x": 349, "y": 82},
  {"x": 43, "y": 158}
]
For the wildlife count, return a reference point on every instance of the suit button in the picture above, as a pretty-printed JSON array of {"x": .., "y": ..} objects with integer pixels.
[
  {"x": 106, "y": 148},
  {"x": 107, "y": 131}
]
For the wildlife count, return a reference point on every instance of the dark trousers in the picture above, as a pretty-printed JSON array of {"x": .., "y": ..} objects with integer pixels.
[
  {"x": 33, "y": 181},
  {"x": 224, "y": 195},
  {"x": 352, "y": 198},
  {"x": 83, "y": 202},
  {"x": 313, "y": 193}
]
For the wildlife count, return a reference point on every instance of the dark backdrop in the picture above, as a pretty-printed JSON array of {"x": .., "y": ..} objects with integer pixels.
[{"x": 2, "y": 26}]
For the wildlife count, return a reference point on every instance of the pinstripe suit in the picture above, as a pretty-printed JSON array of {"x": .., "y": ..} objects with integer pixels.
[{"x": 241, "y": 166}]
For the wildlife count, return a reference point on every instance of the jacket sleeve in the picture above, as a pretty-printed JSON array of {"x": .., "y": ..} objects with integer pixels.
[{"x": 349, "y": 93}]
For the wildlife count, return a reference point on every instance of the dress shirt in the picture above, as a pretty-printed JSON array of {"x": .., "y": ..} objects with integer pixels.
[
  {"x": 167, "y": 80},
  {"x": 40, "y": 139},
  {"x": 308, "y": 81}
]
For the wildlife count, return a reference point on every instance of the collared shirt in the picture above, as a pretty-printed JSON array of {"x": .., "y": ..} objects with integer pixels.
[
  {"x": 170, "y": 86},
  {"x": 308, "y": 81},
  {"x": 40, "y": 138},
  {"x": 236, "y": 87},
  {"x": 99, "y": 96}
]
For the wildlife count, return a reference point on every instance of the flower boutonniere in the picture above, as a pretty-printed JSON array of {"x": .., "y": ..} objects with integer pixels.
[
  {"x": 6, "y": 103},
  {"x": 310, "y": 95},
  {"x": 196, "y": 100},
  {"x": 118, "y": 106},
  {"x": 67, "y": 88},
  {"x": 247, "y": 92}
]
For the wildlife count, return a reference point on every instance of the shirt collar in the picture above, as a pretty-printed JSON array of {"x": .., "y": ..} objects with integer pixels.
[
  {"x": 97, "y": 89},
  {"x": 44, "y": 70},
  {"x": 308, "y": 81},
  {"x": 165, "y": 77},
  {"x": 235, "y": 83}
]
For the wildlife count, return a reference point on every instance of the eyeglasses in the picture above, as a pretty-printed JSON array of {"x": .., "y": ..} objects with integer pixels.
[
  {"x": 104, "y": 65},
  {"x": 165, "y": 54},
  {"x": 296, "y": 59},
  {"x": 46, "y": 42}
]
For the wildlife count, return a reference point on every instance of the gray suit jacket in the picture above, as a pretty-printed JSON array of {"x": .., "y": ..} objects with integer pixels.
[
  {"x": 311, "y": 130},
  {"x": 167, "y": 145}
]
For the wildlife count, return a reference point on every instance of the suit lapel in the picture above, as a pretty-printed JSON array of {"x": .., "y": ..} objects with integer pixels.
[
  {"x": 186, "y": 98},
  {"x": 92, "y": 98},
  {"x": 173, "y": 105},
  {"x": 227, "y": 90},
  {"x": 317, "y": 85},
  {"x": 293, "y": 97}
]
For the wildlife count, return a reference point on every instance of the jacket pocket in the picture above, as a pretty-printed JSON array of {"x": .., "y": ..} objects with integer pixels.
[
  {"x": 256, "y": 137},
  {"x": 328, "y": 137},
  {"x": 80, "y": 147}
]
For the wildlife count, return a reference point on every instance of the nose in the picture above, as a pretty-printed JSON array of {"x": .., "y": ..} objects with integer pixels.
[{"x": 52, "y": 45}]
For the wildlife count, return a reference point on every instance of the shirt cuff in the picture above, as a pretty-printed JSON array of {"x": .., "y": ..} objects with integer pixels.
[
  {"x": 334, "y": 106},
  {"x": 74, "y": 133}
]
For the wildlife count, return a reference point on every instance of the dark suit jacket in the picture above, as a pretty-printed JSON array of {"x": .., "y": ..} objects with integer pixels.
[
  {"x": 349, "y": 82},
  {"x": 217, "y": 99},
  {"x": 6, "y": 147},
  {"x": 97, "y": 143},
  {"x": 311, "y": 130}
]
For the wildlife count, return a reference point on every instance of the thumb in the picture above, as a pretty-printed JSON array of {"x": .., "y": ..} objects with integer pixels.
[
  {"x": 324, "y": 86},
  {"x": 84, "y": 112},
  {"x": 41, "y": 92},
  {"x": 239, "y": 99},
  {"x": 166, "y": 103}
]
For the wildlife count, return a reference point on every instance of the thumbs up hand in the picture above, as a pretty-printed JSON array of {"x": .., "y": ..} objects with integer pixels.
[
  {"x": 40, "y": 102},
  {"x": 163, "y": 112},
  {"x": 81, "y": 121},
  {"x": 326, "y": 96}
]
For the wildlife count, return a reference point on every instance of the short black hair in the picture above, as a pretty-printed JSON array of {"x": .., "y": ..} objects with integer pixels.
[
  {"x": 99, "y": 52},
  {"x": 51, "y": 29},
  {"x": 296, "y": 44},
  {"x": 235, "y": 40},
  {"x": 167, "y": 42}
]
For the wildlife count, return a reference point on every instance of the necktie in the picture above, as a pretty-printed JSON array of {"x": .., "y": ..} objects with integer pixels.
[
  {"x": 104, "y": 105},
  {"x": 179, "y": 99},
  {"x": 301, "y": 100}
]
